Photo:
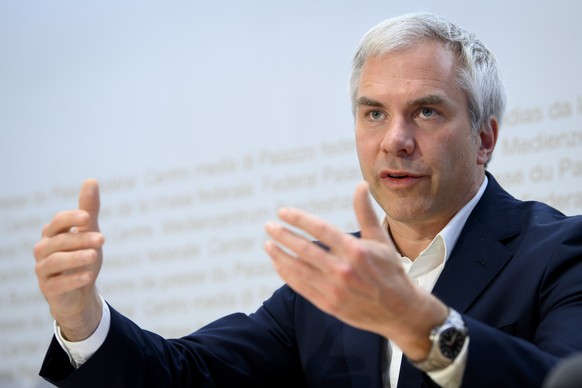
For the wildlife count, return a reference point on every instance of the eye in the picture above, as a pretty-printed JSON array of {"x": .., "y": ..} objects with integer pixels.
[
  {"x": 427, "y": 112},
  {"x": 375, "y": 115}
]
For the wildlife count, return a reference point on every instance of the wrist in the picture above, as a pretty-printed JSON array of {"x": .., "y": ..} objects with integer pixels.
[
  {"x": 431, "y": 313},
  {"x": 79, "y": 326},
  {"x": 447, "y": 342}
]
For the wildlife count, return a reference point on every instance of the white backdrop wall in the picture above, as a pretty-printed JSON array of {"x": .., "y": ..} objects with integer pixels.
[{"x": 200, "y": 119}]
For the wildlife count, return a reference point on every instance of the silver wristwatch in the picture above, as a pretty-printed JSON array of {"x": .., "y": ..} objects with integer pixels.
[{"x": 447, "y": 342}]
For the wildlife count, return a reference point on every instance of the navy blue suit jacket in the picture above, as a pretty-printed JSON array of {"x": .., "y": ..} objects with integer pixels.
[{"x": 515, "y": 274}]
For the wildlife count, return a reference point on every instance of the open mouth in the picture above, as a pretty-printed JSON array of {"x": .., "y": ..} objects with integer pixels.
[
  {"x": 396, "y": 175},
  {"x": 399, "y": 177}
]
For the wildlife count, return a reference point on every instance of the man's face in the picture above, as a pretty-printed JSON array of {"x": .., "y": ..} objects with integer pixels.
[{"x": 414, "y": 138}]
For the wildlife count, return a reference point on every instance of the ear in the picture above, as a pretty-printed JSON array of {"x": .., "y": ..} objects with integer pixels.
[{"x": 487, "y": 140}]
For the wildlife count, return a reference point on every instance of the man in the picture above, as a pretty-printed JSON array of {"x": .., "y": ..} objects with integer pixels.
[{"x": 460, "y": 285}]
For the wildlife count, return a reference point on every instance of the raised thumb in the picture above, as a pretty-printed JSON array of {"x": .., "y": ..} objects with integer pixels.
[
  {"x": 366, "y": 215},
  {"x": 89, "y": 201}
]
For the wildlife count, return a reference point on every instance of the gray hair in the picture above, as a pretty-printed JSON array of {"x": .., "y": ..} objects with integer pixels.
[{"x": 478, "y": 73}]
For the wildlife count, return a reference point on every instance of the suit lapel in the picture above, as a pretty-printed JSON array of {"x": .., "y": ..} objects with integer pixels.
[
  {"x": 476, "y": 260},
  {"x": 480, "y": 252}
]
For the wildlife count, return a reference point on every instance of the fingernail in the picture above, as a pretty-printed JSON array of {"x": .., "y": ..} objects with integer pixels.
[
  {"x": 270, "y": 226},
  {"x": 269, "y": 246}
]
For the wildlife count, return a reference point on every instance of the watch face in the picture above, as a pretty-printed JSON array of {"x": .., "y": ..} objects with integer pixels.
[{"x": 451, "y": 342}]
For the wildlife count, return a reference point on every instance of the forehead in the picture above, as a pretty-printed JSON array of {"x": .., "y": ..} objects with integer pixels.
[{"x": 428, "y": 64}]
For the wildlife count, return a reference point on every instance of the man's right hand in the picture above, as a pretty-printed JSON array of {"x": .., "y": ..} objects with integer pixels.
[{"x": 68, "y": 260}]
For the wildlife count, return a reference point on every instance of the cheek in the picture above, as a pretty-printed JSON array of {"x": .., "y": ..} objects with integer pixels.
[
  {"x": 457, "y": 160},
  {"x": 367, "y": 152},
  {"x": 363, "y": 146},
  {"x": 452, "y": 151}
]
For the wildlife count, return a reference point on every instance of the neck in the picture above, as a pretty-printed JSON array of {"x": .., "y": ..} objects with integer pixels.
[
  {"x": 413, "y": 235},
  {"x": 411, "y": 240}
]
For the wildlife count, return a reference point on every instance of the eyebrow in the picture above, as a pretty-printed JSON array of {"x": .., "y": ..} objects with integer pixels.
[
  {"x": 366, "y": 101},
  {"x": 431, "y": 99}
]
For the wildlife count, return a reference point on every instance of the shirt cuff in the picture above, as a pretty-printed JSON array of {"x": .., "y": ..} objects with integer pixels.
[
  {"x": 79, "y": 352},
  {"x": 452, "y": 375}
]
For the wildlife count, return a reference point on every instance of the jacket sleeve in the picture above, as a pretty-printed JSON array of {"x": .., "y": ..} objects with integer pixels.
[{"x": 256, "y": 350}]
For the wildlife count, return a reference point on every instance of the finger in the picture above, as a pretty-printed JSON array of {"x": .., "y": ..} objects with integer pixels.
[
  {"x": 298, "y": 274},
  {"x": 65, "y": 262},
  {"x": 321, "y": 230},
  {"x": 327, "y": 291},
  {"x": 366, "y": 215},
  {"x": 310, "y": 262},
  {"x": 61, "y": 284},
  {"x": 64, "y": 221},
  {"x": 89, "y": 201},
  {"x": 284, "y": 261},
  {"x": 67, "y": 242},
  {"x": 303, "y": 248}
]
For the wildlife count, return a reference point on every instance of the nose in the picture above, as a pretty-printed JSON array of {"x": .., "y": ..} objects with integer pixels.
[{"x": 398, "y": 138}]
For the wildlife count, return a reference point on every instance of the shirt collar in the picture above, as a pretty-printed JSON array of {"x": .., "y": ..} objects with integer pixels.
[{"x": 451, "y": 232}]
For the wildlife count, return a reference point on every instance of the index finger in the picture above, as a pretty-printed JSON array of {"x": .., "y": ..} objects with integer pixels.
[
  {"x": 64, "y": 221},
  {"x": 321, "y": 230}
]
